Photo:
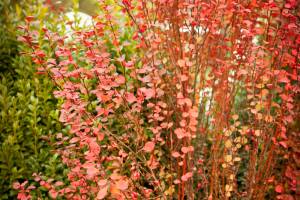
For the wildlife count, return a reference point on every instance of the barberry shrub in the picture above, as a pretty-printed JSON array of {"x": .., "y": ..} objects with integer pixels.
[{"x": 174, "y": 99}]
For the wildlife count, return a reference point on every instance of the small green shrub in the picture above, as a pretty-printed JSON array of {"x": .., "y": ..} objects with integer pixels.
[{"x": 28, "y": 115}]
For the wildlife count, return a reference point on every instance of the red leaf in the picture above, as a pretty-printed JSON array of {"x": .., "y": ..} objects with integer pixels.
[
  {"x": 130, "y": 98},
  {"x": 102, "y": 192},
  {"x": 149, "y": 146},
  {"x": 102, "y": 182},
  {"x": 74, "y": 140},
  {"x": 16, "y": 185},
  {"x": 58, "y": 183},
  {"x": 91, "y": 172},
  {"x": 184, "y": 150},
  {"x": 53, "y": 194},
  {"x": 186, "y": 176},
  {"x": 285, "y": 197},
  {"x": 29, "y": 18},
  {"x": 279, "y": 189},
  {"x": 187, "y": 149},
  {"x": 40, "y": 53},
  {"x": 283, "y": 79},
  {"x": 175, "y": 154},
  {"x": 122, "y": 185},
  {"x": 120, "y": 79},
  {"x": 284, "y": 144},
  {"x": 180, "y": 133},
  {"x": 149, "y": 93}
]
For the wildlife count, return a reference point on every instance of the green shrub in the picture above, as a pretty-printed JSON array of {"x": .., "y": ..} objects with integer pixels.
[{"x": 28, "y": 115}]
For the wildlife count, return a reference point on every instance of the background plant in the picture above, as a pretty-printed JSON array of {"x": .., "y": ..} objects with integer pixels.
[{"x": 28, "y": 115}]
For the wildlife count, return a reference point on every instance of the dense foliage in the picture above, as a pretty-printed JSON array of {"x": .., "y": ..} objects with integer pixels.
[
  {"x": 28, "y": 115},
  {"x": 164, "y": 99}
]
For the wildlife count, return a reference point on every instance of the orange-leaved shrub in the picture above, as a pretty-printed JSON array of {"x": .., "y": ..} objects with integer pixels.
[{"x": 201, "y": 107}]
